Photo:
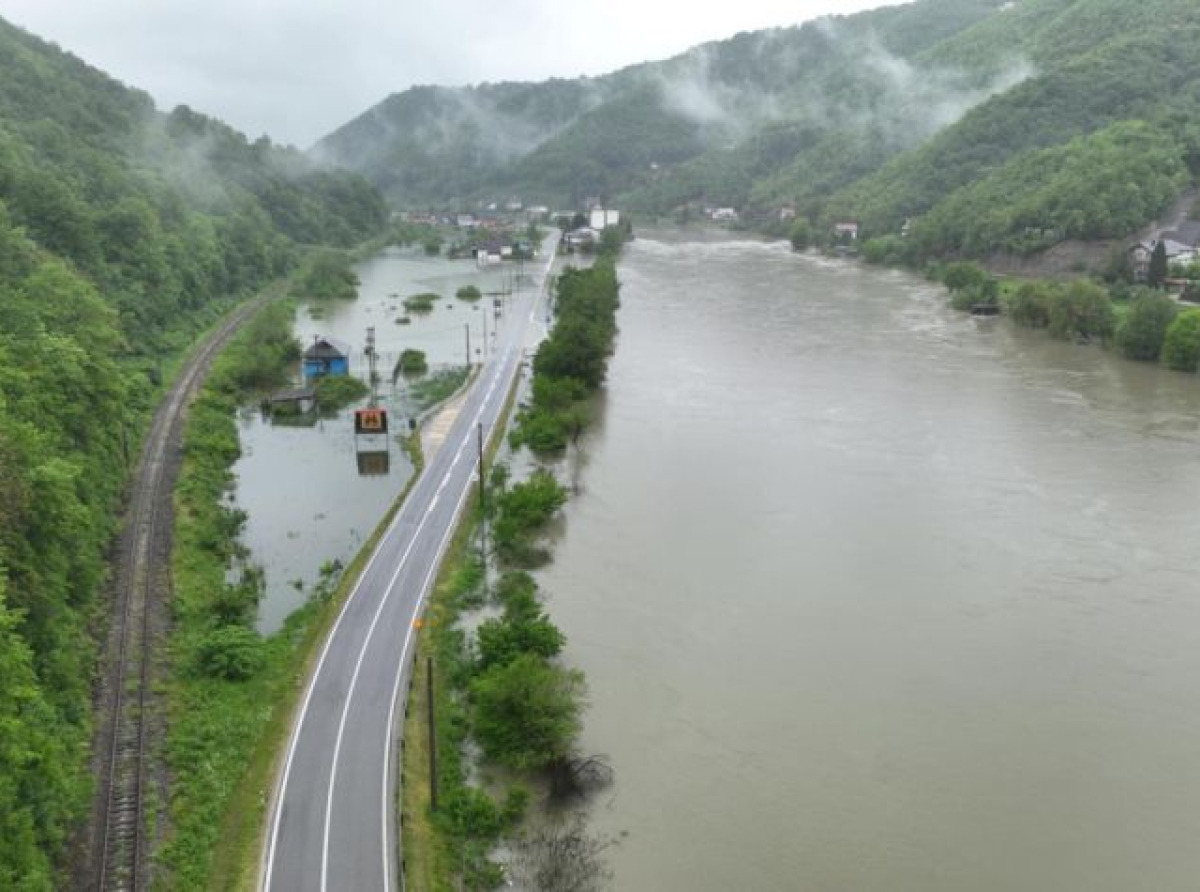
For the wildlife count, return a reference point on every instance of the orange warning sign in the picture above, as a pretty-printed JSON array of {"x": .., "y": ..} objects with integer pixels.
[{"x": 370, "y": 421}]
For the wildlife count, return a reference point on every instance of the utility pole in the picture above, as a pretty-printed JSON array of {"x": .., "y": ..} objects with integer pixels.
[
  {"x": 467, "y": 328},
  {"x": 483, "y": 316},
  {"x": 371, "y": 357}
]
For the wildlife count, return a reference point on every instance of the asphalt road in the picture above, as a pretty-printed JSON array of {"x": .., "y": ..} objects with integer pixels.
[{"x": 333, "y": 826}]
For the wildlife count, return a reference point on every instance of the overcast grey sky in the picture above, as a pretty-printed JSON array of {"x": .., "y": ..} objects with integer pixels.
[{"x": 297, "y": 69}]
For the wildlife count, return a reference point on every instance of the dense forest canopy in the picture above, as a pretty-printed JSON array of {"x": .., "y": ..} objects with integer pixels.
[
  {"x": 122, "y": 230},
  {"x": 723, "y": 104},
  {"x": 987, "y": 116}
]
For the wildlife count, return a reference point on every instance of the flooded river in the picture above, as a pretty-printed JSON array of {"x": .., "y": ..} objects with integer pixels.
[{"x": 874, "y": 596}]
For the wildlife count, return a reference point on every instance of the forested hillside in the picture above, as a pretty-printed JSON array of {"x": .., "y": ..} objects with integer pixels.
[
  {"x": 122, "y": 231},
  {"x": 564, "y": 140},
  {"x": 990, "y": 126},
  {"x": 1098, "y": 63}
]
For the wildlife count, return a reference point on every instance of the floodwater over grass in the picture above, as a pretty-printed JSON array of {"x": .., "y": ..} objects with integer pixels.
[{"x": 311, "y": 492}]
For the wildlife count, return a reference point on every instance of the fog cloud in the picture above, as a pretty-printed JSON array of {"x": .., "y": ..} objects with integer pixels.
[{"x": 296, "y": 71}]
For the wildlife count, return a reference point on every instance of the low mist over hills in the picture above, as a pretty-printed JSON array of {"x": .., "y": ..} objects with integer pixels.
[
  {"x": 566, "y": 139},
  {"x": 987, "y": 124}
]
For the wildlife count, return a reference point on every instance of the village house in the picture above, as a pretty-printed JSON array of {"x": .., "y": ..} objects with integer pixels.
[
  {"x": 293, "y": 400},
  {"x": 581, "y": 238},
  {"x": 846, "y": 230},
  {"x": 1186, "y": 234},
  {"x": 1141, "y": 253},
  {"x": 326, "y": 357},
  {"x": 601, "y": 218},
  {"x": 787, "y": 212},
  {"x": 724, "y": 215},
  {"x": 492, "y": 251},
  {"x": 421, "y": 217}
]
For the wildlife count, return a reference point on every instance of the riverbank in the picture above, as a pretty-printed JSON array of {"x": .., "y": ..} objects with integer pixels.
[
  {"x": 1143, "y": 323},
  {"x": 485, "y": 636}
]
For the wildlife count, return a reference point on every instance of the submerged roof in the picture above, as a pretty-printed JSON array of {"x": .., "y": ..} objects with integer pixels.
[{"x": 293, "y": 394}]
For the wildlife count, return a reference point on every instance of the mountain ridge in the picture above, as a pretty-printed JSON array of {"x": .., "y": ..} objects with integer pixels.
[{"x": 882, "y": 116}]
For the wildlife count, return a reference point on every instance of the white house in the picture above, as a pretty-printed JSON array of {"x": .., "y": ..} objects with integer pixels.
[
  {"x": 601, "y": 217},
  {"x": 1141, "y": 253}
]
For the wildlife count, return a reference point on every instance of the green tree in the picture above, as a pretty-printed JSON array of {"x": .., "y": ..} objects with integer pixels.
[
  {"x": 522, "y": 512},
  {"x": 329, "y": 275},
  {"x": 412, "y": 362},
  {"x": 234, "y": 653},
  {"x": 964, "y": 276},
  {"x": 527, "y": 712},
  {"x": 801, "y": 234},
  {"x": 611, "y": 240},
  {"x": 421, "y": 303},
  {"x": 1029, "y": 305},
  {"x": 1181, "y": 347},
  {"x": 1141, "y": 334},
  {"x": 1156, "y": 276},
  {"x": 468, "y": 292},
  {"x": 36, "y": 796},
  {"x": 523, "y": 628},
  {"x": 1082, "y": 310},
  {"x": 969, "y": 284}
]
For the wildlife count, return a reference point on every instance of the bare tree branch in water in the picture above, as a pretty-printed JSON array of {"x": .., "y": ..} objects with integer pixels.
[
  {"x": 564, "y": 857},
  {"x": 579, "y": 775}
]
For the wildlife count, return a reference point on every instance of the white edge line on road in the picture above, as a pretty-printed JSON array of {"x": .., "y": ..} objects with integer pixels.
[
  {"x": 337, "y": 746},
  {"x": 287, "y": 769},
  {"x": 293, "y": 742},
  {"x": 385, "y": 797},
  {"x": 362, "y": 652},
  {"x": 387, "y": 736},
  {"x": 291, "y": 752}
]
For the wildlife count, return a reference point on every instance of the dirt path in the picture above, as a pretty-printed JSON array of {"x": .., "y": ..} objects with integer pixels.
[{"x": 435, "y": 428}]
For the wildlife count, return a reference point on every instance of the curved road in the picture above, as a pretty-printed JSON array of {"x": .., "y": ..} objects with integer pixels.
[{"x": 333, "y": 826}]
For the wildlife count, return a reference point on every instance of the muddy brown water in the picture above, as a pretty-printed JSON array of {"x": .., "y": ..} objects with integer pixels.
[{"x": 875, "y": 596}]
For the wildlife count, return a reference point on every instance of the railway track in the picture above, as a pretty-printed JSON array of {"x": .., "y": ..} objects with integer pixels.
[{"x": 119, "y": 836}]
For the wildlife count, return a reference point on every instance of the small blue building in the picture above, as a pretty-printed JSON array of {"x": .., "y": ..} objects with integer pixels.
[{"x": 324, "y": 357}]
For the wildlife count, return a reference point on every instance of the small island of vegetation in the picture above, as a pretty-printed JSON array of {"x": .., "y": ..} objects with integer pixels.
[{"x": 421, "y": 303}]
